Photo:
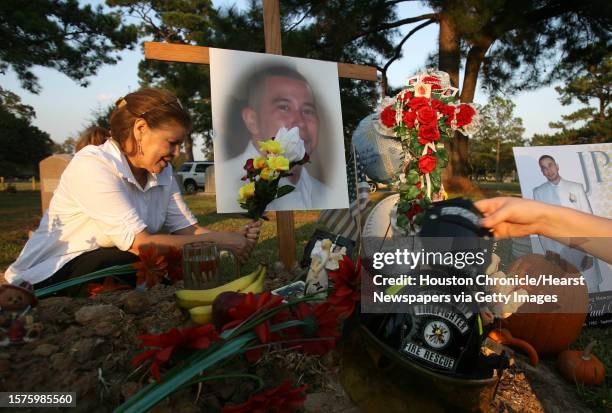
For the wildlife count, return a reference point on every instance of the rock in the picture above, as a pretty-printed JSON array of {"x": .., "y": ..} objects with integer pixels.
[
  {"x": 86, "y": 349},
  {"x": 45, "y": 350},
  {"x": 5, "y": 366},
  {"x": 95, "y": 313},
  {"x": 278, "y": 266},
  {"x": 225, "y": 390},
  {"x": 60, "y": 362},
  {"x": 129, "y": 389},
  {"x": 104, "y": 328},
  {"x": 136, "y": 302}
]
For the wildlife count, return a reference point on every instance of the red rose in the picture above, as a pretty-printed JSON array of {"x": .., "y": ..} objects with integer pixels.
[
  {"x": 387, "y": 117},
  {"x": 431, "y": 80},
  {"x": 436, "y": 87},
  {"x": 427, "y": 164},
  {"x": 418, "y": 185},
  {"x": 448, "y": 110},
  {"x": 409, "y": 118},
  {"x": 465, "y": 115},
  {"x": 427, "y": 115},
  {"x": 437, "y": 104},
  {"x": 418, "y": 102},
  {"x": 405, "y": 97},
  {"x": 414, "y": 210},
  {"x": 429, "y": 133},
  {"x": 248, "y": 165}
]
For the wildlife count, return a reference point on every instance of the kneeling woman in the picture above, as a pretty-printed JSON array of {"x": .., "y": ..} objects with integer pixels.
[{"x": 114, "y": 198}]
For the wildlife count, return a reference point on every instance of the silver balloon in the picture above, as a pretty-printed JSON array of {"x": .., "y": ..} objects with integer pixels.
[{"x": 381, "y": 156}]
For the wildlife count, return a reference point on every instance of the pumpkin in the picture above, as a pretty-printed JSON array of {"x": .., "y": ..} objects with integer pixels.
[
  {"x": 554, "y": 330},
  {"x": 581, "y": 366}
]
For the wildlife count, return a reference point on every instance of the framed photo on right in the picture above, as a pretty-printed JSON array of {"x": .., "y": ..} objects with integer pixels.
[{"x": 578, "y": 177}]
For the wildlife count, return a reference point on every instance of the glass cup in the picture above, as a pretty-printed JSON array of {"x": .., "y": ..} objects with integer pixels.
[{"x": 206, "y": 266}]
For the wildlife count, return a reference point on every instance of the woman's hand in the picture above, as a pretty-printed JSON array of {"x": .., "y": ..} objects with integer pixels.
[
  {"x": 236, "y": 242},
  {"x": 512, "y": 217},
  {"x": 251, "y": 231}
]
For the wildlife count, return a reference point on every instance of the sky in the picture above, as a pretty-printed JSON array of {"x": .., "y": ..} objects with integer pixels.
[{"x": 63, "y": 107}]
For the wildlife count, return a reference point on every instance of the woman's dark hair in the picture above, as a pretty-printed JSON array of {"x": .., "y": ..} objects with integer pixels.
[
  {"x": 94, "y": 135},
  {"x": 156, "y": 106}
]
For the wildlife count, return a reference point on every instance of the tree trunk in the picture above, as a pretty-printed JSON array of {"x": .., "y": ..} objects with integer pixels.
[
  {"x": 449, "y": 59},
  {"x": 383, "y": 85},
  {"x": 448, "y": 49},
  {"x": 497, "y": 156},
  {"x": 189, "y": 148},
  {"x": 459, "y": 144}
]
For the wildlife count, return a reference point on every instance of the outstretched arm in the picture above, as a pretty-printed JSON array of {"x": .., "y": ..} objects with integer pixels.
[{"x": 517, "y": 217}]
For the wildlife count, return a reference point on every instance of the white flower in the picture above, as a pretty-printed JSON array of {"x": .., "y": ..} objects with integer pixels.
[
  {"x": 572, "y": 198},
  {"x": 402, "y": 178},
  {"x": 292, "y": 143}
]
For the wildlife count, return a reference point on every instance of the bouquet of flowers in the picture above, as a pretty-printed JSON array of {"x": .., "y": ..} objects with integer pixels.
[
  {"x": 424, "y": 116},
  {"x": 263, "y": 173}
]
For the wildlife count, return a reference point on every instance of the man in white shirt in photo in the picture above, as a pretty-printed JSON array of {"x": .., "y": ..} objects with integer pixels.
[
  {"x": 278, "y": 97},
  {"x": 559, "y": 191}
]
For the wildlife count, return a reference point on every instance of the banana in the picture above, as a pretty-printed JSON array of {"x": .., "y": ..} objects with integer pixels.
[
  {"x": 258, "y": 285},
  {"x": 201, "y": 314},
  {"x": 195, "y": 298}
]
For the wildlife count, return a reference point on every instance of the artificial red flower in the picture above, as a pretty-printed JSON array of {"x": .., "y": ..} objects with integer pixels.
[
  {"x": 405, "y": 97},
  {"x": 347, "y": 286},
  {"x": 429, "y": 133},
  {"x": 248, "y": 165},
  {"x": 387, "y": 117},
  {"x": 198, "y": 338},
  {"x": 282, "y": 399},
  {"x": 465, "y": 115},
  {"x": 427, "y": 163},
  {"x": 174, "y": 259},
  {"x": 418, "y": 102},
  {"x": 437, "y": 104},
  {"x": 414, "y": 210},
  {"x": 427, "y": 116},
  {"x": 431, "y": 80},
  {"x": 151, "y": 267},
  {"x": 94, "y": 289},
  {"x": 321, "y": 327},
  {"x": 409, "y": 117},
  {"x": 257, "y": 303}
]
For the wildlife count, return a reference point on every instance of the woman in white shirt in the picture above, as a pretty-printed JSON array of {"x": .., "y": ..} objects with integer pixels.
[{"x": 115, "y": 198}]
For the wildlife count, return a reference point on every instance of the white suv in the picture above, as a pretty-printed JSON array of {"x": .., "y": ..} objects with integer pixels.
[{"x": 194, "y": 175}]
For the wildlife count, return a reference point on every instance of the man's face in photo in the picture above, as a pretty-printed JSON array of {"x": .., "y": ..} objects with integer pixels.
[
  {"x": 285, "y": 102},
  {"x": 550, "y": 169}
]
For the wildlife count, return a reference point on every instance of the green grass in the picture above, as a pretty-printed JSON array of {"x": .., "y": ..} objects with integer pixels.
[{"x": 20, "y": 212}]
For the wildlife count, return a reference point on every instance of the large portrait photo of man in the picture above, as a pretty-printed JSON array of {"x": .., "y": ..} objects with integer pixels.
[
  {"x": 577, "y": 177},
  {"x": 257, "y": 96}
]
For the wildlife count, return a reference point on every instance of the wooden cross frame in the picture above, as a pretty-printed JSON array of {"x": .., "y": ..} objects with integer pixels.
[{"x": 199, "y": 54}]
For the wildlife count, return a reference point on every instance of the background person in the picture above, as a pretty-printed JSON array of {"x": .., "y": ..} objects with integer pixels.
[
  {"x": 559, "y": 191},
  {"x": 115, "y": 198},
  {"x": 94, "y": 135}
]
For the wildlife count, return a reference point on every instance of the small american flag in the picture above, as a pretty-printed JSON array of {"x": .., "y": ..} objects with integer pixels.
[{"x": 346, "y": 222}]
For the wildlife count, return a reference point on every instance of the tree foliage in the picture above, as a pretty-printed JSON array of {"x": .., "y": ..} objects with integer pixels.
[
  {"x": 491, "y": 147},
  {"x": 589, "y": 124},
  {"x": 23, "y": 145},
  {"x": 60, "y": 34}
]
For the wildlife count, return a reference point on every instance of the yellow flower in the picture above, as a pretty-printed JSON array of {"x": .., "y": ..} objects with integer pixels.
[
  {"x": 278, "y": 163},
  {"x": 268, "y": 174},
  {"x": 271, "y": 146},
  {"x": 246, "y": 191},
  {"x": 259, "y": 162}
]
